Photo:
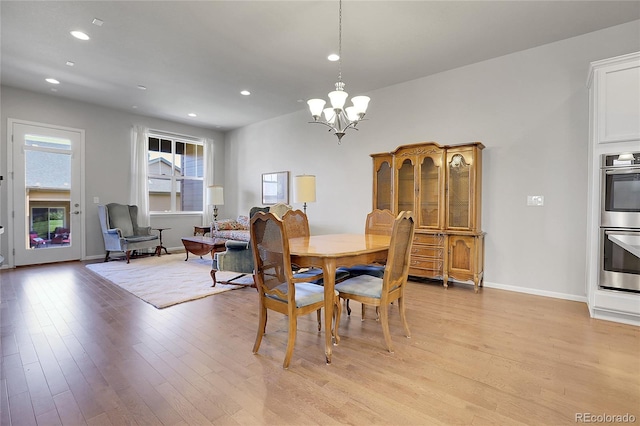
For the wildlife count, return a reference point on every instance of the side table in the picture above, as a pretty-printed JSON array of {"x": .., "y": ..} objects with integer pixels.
[
  {"x": 201, "y": 230},
  {"x": 160, "y": 247}
]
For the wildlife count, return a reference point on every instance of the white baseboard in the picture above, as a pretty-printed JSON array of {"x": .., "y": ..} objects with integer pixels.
[
  {"x": 537, "y": 292},
  {"x": 616, "y": 316},
  {"x": 171, "y": 250}
]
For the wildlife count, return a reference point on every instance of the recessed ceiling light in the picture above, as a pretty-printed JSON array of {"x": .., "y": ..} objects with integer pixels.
[
  {"x": 70, "y": 63},
  {"x": 192, "y": 114},
  {"x": 52, "y": 81},
  {"x": 134, "y": 106},
  {"x": 141, "y": 87},
  {"x": 79, "y": 35},
  {"x": 333, "y": 57},
  {"x": 97, "y": 22},
  {"x": 245, "y": 93}
]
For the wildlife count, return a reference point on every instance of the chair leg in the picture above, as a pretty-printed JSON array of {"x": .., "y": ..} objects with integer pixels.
[
  {"x": 293, "y": 328},
  {"x": 262, "y": 324},
  {"x": 106, "y": 258},
  {"x": 319, "y": 315},
  {"x": 213, "y": 277},
  {"x": 348, "y": 308},
  {"x": 128, "y": 255},
  {"x": 337, "y": 311},
  {"x": 385, "y": 327},
  {"x": 403, "y": 317}
]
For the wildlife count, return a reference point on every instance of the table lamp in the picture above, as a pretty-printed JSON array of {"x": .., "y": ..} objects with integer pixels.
[
  {"x": 215, "y": 198},
  {"x": 305, "y": 190}
]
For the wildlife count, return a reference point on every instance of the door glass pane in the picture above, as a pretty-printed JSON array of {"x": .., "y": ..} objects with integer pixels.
[
  {"x": 47, "y": 193},
  {"x": 459, "y": 192},
  {"x": 430, "y": 193},
  {"x": 383, "y": 180},
  {"x": 405, "y": 187}
]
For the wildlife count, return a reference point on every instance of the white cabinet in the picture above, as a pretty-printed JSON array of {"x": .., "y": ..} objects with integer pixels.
[
  {"x": 614, "y": 128},
  {"x": 615, "y": 85}
]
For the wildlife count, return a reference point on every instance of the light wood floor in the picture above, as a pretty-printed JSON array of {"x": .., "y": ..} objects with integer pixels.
[{"x": 78, "y": 350}]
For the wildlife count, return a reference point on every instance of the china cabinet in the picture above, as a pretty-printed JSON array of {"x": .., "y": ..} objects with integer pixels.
[{"x": 441, "y": 185}]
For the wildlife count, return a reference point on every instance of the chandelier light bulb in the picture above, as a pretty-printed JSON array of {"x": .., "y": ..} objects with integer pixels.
[
  {"x": 315, "y": 106},
  {"x": 338, "y": 98},
  {"x": 360, "y": 103},
  {"x": 329, "y": 115},
  {"x": 352, "y": 114}
]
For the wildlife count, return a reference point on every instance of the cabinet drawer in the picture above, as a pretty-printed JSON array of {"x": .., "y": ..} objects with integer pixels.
[
  {"x": 426, "y": 273},
  {"x": 427, "y": 251},
  {"x": 425, "y": 263},
  {"x": 428, "y": 239}
]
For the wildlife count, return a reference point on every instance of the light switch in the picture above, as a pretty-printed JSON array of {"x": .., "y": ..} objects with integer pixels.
[
  {"x": 535, "y": 200},
  {"x": 96, "y": 200}
]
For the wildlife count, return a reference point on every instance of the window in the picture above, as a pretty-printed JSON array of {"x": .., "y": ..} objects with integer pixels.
[
  {"x": 45, "y": 220},
  {"x": 176, "y": 174}
]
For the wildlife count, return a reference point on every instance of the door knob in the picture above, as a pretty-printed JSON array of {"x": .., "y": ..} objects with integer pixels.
[{"x": 76, "y": 212}]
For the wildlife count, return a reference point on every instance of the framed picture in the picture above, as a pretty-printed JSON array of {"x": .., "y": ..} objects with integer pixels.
[{"x": 275, "y": 188}]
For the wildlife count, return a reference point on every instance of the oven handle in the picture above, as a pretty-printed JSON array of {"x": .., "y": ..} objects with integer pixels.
[
  {"x": 620, "y": 232},
  {"x": 622, "y": 171}
]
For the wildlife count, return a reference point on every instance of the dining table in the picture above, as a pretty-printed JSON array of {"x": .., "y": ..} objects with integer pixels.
[{"x": 330, "y": 252}]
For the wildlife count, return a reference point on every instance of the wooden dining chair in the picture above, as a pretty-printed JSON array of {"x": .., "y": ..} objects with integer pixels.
[
  {"x": 277, "y": 287},
  {"x": 378, "y": 222},
  {"x": 383, "y": 291},
  {"x": 297, "y": 225}
]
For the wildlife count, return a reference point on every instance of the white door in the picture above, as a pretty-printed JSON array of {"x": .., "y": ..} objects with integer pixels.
[{"x": 47, "y": 224}]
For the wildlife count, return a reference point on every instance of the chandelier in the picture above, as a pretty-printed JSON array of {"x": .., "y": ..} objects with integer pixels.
[{"x": 337, "y": 117}]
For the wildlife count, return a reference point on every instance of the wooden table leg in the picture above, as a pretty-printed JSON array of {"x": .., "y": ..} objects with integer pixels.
[{"x": 329, "y": 270}]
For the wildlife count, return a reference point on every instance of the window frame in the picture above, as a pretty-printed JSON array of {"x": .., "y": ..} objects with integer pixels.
[{"x": 176, "y": 179}]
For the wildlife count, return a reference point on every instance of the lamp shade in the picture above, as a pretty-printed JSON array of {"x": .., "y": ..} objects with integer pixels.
[
  {"x": 215, "y": 195},
  {"x": 305, "y": 189}
]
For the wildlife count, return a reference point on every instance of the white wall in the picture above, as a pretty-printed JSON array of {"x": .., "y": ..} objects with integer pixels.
[
  {"x": 530, "y": 110},
  {"x": 107, "y": 155}
]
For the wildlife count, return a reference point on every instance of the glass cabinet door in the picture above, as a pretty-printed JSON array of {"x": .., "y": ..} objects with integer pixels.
[
  {"x": 406, "y": 187},
  {"x": 459, "y": 196},
  {"x": 429, "y": 194},
  {"x": 383, "y": 186}
]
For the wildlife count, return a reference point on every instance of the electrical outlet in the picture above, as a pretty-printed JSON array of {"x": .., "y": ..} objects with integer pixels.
[
  {"x": 535, "y": 200},
  {"x": 96, "y": 200}
]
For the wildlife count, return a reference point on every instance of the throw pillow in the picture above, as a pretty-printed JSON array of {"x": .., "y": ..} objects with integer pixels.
[
  {"x": 227, "y": 225},
  {"x": 243, "y": 221}
]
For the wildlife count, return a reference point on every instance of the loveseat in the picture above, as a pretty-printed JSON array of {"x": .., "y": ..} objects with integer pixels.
[{"x": 231, "y": 229}]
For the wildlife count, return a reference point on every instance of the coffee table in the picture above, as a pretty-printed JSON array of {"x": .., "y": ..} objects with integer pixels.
[{"x": 201, "y": 245}]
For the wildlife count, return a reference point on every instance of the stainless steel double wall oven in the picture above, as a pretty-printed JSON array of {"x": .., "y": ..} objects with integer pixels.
[{"x": 620, "y": 222}]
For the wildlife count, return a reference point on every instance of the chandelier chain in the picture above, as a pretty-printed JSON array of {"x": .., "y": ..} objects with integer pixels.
[{"x": 340, "y": 42}]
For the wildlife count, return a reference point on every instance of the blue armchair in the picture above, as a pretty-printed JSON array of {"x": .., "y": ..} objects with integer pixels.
[{"x": 121, "y": 232}]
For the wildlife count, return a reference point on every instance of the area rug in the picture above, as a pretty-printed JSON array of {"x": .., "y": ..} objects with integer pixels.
[{"x": 167, "y": 280}]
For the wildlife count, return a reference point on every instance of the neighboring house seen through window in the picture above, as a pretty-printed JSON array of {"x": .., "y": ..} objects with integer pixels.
[{"x": 176, "y": 175}]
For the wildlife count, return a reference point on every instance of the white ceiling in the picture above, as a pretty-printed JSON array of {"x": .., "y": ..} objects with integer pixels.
[{"x": 196, "y": 56}]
